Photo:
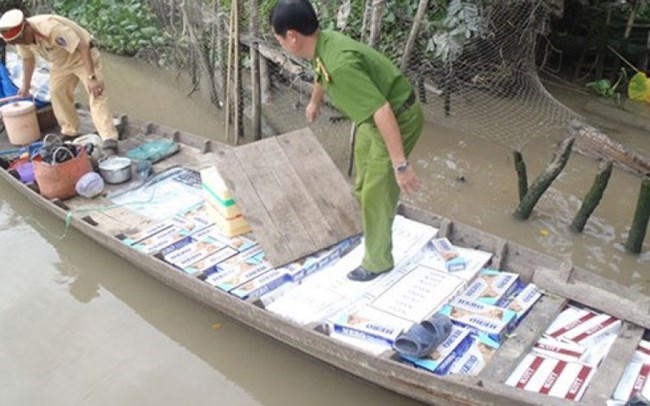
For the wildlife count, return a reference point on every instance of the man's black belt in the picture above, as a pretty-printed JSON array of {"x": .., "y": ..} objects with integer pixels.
[{"x": 410, "y": 101}]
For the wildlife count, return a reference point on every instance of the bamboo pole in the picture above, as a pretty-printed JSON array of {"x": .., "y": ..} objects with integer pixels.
[
  {"x": 256, "y": 94},
  {"x": 641, "y": 217},
  {"x": 375, "y": 24},
  {"x": 415, "y": 30},
  {"x": 522, "y": 176},
  {"x": 592, "y": 199},
  {"x": 239, "y": 108},
  {"x": 228, "y": 112},
  {"x": 544, "y": 180}
]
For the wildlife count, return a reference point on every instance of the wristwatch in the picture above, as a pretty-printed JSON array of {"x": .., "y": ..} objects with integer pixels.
[
  {"x": 401, "y": 168},
  {"x": 92, "y": 77}
]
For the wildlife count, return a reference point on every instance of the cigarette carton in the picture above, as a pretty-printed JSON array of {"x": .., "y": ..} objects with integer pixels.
[
  {"x": 443, "y": 356},
  {"x": 240, "y": 269},
  {"x": 475, "y": 260},
  {"x": 310, "y": 264},
  {"x": 261, "y": 285},
  {"x": 370, "y": 324},
  {"x": 449, "y": 254},
  {"x": 634, "y": 380},
  {"x": 551, "y": 377},
  {"x": 561, "y": 350},
  {"x": 491, "y": 323},
  {"x": 492, "y": 287},
  {"x": 157, "y": 242},
  {"x": 474, "y": 359},
  {"x": 523, "y": 301},
  {"x": 592, "y": 331},
  {"x": 190, "y": 250},
  {"x": 570, "y": 318},
  {"x": 206, "y": 264},
  {"x": 419, "y": 293}
]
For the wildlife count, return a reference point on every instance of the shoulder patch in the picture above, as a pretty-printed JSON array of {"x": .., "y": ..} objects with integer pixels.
[{"x": 61, "y": 41}]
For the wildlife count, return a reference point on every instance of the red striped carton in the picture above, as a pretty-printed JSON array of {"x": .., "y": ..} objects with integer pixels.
[
  {"x": 551, "y": 377},
  {"x": 634, "y": 380}
]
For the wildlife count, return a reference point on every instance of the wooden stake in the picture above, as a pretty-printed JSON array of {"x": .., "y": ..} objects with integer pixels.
[
  {"x": 592, "y": 199},
  {"x": 229, "y": 74},
  {"x": 256, "y": 103},
  {"x": 641, "y": 216},
  {"x": 415, "y": 30},
  {"x": 238, "y": 88},
  {"x": 522, "y": 176},
  {"x": 544, "y": 180}
]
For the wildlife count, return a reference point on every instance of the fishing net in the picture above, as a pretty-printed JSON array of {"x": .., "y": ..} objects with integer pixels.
[{"x": 474, "y": 63}]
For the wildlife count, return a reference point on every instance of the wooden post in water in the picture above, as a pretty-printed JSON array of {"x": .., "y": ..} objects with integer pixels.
[
  {"x": 592, "y": 199},
  {"x": 522, "y": 176},
  {"x": 228, "y": 87},
  {"x": 256, "y": 95},
  {"x": 641, "y": 216},
  {"x": 544, "y": 180}
]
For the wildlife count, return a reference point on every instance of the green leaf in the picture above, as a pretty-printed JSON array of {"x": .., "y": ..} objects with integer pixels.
[{"x": 639, "y": 88}]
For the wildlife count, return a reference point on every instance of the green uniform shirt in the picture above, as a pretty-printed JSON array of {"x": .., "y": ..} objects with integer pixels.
[{"x": 358, "y": 79}]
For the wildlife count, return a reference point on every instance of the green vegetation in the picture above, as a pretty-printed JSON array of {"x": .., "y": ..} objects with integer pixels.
[{"x": 121, "y": 27}]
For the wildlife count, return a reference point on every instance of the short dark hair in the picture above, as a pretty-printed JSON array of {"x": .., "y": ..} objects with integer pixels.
[{"x": 297, "y": 15}]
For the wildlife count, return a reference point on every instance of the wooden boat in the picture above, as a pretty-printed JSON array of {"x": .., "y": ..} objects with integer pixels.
[{"x": 560, "y": 281}]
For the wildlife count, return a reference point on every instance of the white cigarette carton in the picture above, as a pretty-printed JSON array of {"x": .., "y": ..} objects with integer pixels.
[
  {"x": 158, "y": 242},
  {"x": 370, "y": 324},
  {"x": 551, "y": 377},
  {"x": 561, "y": 350},
  {"x": 419, "y": 293},
  {"x": 308, "y": 265},
  {"x": 443, "y": 356},
  {"x": 472, "y": 361},
  {"x": 475, "y": 260},
  {"x": 208, "y": 265},
  {"x": 239, "y": 269},
  {"x": 449, "y": 254},
  {"x": 489, "y": 322},
  {"x": 261, "y": 285},
  {"x": 634, "y": 380},
  {"x": 570, "y": 318},
  {"x": 523, "y": 301},
  {"x": 492, "y": 287},
  {"x": 592, "y": 331}
]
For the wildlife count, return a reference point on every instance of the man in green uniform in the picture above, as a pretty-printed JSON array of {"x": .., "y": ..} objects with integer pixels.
[{"x": 368, "y": 88}]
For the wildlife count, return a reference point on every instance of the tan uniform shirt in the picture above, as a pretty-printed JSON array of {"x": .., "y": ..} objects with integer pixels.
[{"x": 57, "y": 39}]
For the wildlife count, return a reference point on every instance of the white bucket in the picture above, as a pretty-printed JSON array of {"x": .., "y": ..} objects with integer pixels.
[{"x": 20, "y": 121}]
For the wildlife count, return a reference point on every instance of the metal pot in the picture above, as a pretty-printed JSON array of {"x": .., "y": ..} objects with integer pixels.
[{"x": 115, "y": 169}]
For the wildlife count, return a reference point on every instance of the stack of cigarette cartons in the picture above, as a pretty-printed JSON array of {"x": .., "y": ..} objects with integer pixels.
[
  {"x": 522, "y": 300},
  {"x": 491, "y": 323},
  {"x": 565, "y": 358},
  {"x": 551, "y": 376},
  {"x": 153, "y": 239},
  {"x": 492, "y": 287},
  {"x": 221, "y": 207},
  {"x": 300, "y": 269}
]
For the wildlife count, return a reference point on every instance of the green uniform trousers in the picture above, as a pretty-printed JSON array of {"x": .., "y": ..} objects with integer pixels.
[{"x": 377, "y": 188}]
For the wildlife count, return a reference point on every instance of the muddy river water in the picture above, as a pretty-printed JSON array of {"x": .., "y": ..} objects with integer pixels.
[{"x": 80, "y": 326}]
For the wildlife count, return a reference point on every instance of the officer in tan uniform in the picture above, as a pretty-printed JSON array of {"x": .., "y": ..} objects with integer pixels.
[
  {"x": 367, "y": 87},
  {"x": 74, "y": 58}
]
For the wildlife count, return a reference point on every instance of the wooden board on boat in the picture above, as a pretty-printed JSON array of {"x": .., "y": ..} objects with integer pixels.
[{"x": 290, "y": 191}]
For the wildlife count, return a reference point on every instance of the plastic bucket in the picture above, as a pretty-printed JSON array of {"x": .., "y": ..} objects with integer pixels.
[{"x": 20, "y": 120}]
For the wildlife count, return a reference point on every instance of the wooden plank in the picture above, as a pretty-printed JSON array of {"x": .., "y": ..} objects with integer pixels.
[
  {"x": 290, "y": 191},
  {"x": 249, "y": 203},
  {"x": 633, "y": 307},
  {"x": 609, "y": 373},
  {"x": 325, "y": 182},
  {"x": 513, "y": 351},
  {"x": 261, "y": 165},
  {"x": 299, "y": 197}
]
